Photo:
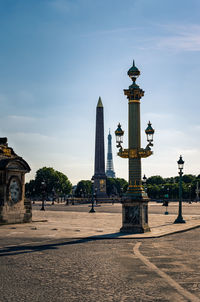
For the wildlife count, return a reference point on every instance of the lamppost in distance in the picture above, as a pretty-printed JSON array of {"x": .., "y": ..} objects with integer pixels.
[
  {"x": 92, "y": 210},
  {"x": 43, "y": 189},
  {"x": 180, "y": 219},
  {"x": 144, "y": 179}
]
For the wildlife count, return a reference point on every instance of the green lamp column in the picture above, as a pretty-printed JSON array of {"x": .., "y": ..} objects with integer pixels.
[{"x": 135, "y": 201}]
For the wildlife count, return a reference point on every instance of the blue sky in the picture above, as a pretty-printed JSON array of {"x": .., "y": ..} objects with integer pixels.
[{"x": 58, "y": 56}]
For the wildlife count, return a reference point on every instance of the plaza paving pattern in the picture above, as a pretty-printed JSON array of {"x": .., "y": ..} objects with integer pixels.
[
  {"x": 67, "y": 256},
  {"x": 73, "y": 223}
]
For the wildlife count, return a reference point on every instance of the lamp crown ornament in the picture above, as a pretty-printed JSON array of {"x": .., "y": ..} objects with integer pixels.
[
  {"x": 133, "y": 72},
  {"x": 134, "y": 92}
]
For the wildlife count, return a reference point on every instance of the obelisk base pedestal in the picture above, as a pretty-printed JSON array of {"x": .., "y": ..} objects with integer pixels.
[{"x": 135, "y": 215}]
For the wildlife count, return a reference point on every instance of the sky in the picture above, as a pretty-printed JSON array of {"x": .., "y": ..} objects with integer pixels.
[{"x": 58, "y": 56}]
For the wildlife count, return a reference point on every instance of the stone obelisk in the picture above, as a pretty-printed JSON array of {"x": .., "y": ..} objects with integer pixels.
[{"x": 99, "y": 167}]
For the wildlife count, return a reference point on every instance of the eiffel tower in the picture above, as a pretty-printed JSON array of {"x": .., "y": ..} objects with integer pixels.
[{"x": 109, "y": 168}]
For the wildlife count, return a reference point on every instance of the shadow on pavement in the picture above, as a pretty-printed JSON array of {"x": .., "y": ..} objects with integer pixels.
[{"x": 24, "y": 249}]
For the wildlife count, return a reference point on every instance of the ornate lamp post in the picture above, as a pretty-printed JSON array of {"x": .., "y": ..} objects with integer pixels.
[
  {"x": 92, "y": 210},
  {"x": 180, "y": 219},
  {"x": 135, "y": 201}
]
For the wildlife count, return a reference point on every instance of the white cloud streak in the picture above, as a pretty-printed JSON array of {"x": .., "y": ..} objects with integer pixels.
[
  {"x": 62, "y": 6},
  {"x": 180, "y": 38}
]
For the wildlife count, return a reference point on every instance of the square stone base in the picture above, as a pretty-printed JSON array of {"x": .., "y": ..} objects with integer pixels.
[
  {"x": 135, "y": 216},
  {"x": 20, "y": 212},
  {"x": 131, "y": 229}
]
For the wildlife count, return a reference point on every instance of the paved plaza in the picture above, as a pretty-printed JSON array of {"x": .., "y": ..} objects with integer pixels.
[{"x": 68, "y": 254}]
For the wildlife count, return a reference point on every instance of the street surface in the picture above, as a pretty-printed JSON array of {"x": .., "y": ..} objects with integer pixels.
[
  {"x": 154, "y": 208},
  {"x": 95, "y": 269}
]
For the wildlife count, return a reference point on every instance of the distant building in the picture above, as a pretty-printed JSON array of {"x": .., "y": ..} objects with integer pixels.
[{"x": 109, "y": 168}]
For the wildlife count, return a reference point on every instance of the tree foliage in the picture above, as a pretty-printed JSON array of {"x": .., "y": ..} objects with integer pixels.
[
  {"x": 116, "y": 186},
  {"x": 56, "y": 183},
  {"x": 161, "y": 188},
  {"x": 84, "y": 188},
  {"x": 155, "y": 180}
]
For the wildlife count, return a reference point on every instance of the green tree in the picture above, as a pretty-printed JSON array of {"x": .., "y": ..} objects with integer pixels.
[
  {"x": 188, "y": 178},
  {"x": 84, "y": 188},
  {"x": 155, "y": 180},
  {"x": 111, "y": 186},
  {"x": 116, "y": 186},
  {"x": 153, "y": 191},
  {"x": 30, "y": 189},
  {"x": 55, "y": 183}
]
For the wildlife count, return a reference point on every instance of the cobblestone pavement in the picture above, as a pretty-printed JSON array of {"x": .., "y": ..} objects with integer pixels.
[
  {"x": 37, "y": 263},
  {"x": 87, "y": 270}
]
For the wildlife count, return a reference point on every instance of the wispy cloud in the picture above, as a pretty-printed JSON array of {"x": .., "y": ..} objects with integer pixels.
[
  {"x": 180, "y": 38},
  {"x": 62, "y": 6},
  {"x": 21, "y": 118},
  {"x": 34, "y": 136},
  {"x": 174, "y": 37},
  {"x": 158, "y": 115},
  {"x": 113, "y": 31}
]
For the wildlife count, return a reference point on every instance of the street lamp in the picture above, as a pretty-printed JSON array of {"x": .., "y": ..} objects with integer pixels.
[
  {"x": 119, "y": 135},
  {"x": 144, "y": 179},
  {"x": 92, "y": 210},
  {"x": 180, "y": 219},
  {"x": 43, "y": 187},
  {"x": 166, "y": 202},
  {"x": 135, "y": 200},
  {"x": 149, "y": 132}
]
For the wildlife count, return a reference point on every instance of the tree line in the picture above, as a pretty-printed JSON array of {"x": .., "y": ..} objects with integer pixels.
[
  {"x": 159, "y": 188},
  {"x": 56, "y": 184}
]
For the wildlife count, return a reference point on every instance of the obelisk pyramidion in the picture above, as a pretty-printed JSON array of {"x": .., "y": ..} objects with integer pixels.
[{"x": 99, "y": 166}]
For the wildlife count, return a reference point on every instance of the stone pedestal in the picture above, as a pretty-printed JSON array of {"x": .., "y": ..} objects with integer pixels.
[
  {"x": 100, "y": 187},
  {"x": 135, "y": 215}
]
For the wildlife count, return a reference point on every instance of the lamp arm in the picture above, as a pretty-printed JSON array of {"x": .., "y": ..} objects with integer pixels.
[{"x": 148, "y": 146}]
